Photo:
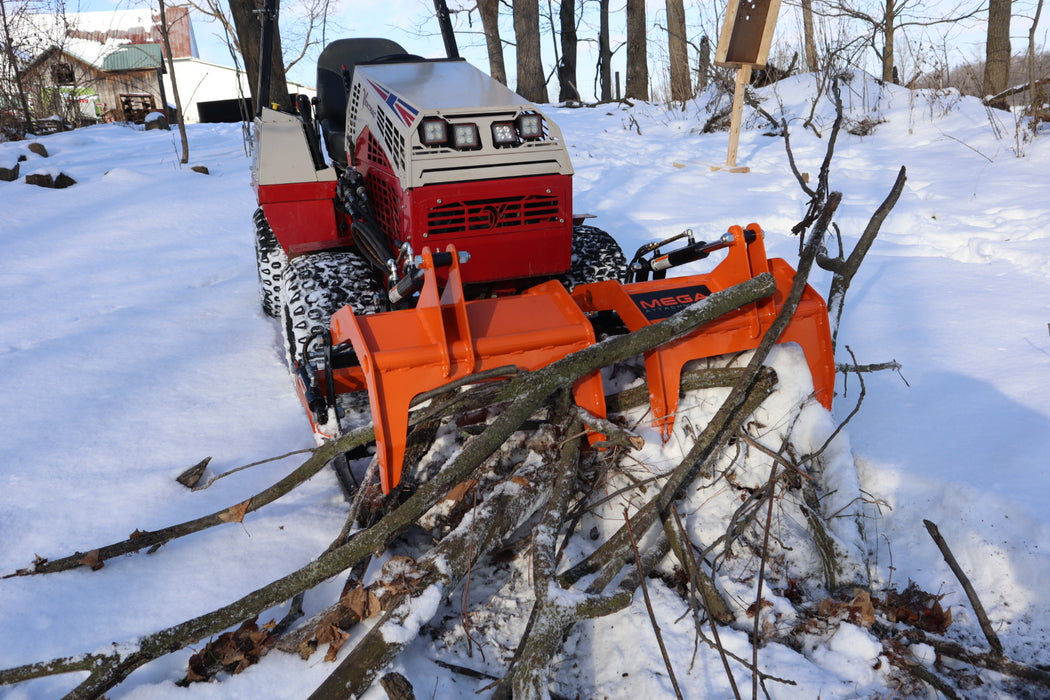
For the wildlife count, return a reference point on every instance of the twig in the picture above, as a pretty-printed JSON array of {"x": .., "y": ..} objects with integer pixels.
[
  {"x": 975, "y": 602},
  {"x": 694, "y": 574},
  {"x": 838, "y": 429},
  {"x": 209, "y": 482},
  {"x": 761, "y": 575},
  {"x": 927, "y": 676},
  {"x": 615, "y": 436},
  {"x": 649, "y": 607},
  {"x": 877, "y": 367}
]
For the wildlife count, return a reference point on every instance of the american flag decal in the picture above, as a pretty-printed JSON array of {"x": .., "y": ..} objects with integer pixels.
[{"x": 406, "y": 112}]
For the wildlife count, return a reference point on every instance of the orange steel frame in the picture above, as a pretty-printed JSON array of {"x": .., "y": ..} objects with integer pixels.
[{"x": 445, "y": 337}]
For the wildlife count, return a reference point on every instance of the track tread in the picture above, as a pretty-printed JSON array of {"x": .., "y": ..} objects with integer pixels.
[
  {"x": 596, "y": 257},
  {"x": 270, "y": 261},
  {"x": 319, "y": 284}
]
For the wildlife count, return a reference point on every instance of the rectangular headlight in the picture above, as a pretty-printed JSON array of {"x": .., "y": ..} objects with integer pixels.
[
  {"x": 433, "y": 131},
  {"x": 504, "y": 134},
  {"x": 530, "y": 126},
  {"x": 465, "y": 137}
]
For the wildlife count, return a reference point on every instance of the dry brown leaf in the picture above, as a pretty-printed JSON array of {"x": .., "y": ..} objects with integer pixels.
[
  {"x": 752, "y": 609},
  {"x": 335, "y": 645},
  {"x": 235, "y": 514},
  {"x": 191, "y": 476},
  {"x": 457, "y": 492},
  {"x": 400, "y": 575},
  {"x": 92, "y": 559},
  {"x": 362, "y": 602},
  {"x": 307, "y": 648},
  {"x": 326, "y": 634},
  {"x": 137, "y": 533},
  {"x": 862, "y": 612}
]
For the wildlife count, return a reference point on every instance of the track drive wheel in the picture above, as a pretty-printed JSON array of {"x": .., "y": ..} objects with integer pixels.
[
  {"x": 271, "y": 260},
  {"x": 596, "y": 257}
]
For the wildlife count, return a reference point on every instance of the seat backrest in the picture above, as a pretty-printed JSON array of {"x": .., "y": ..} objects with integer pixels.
[{"x": 331, "y": 90}]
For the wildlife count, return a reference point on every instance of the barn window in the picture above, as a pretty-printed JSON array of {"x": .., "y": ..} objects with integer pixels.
[{"x": 62, "y": 73}]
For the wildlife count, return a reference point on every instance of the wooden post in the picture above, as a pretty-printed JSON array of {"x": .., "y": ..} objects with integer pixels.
[
  {"x": 743, "y": 77},
  {"x": 744, "y": 44}
]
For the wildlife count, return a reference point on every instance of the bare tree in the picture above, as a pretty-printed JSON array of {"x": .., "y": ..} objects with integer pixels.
[
  {"x": 179, "y": 117},
  {"x": 567, "y": 63},
  {"x": 301, "y": 35},
  {"x": 809, "y": 37},
  {"x": 997, "y": 50},
  {"x": 604, "y": 52},
  {"x": 1038, "y": 92},
  {"x": 882, "y": 19},
  {"x": 246, "y": 19},
  {"x": 489, "y": 12},
  {"x": 11, "y": 63},
  {"x": 637, "y": 53},
  {"x": 531, "y": 84},
  {"x": 678, "y": 51}
]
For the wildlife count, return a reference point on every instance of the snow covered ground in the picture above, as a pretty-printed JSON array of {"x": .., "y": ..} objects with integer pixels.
[{"x": 132, "y": 345}]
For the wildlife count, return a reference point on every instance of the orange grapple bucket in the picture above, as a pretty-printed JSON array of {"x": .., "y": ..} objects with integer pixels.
[
  {"x": 445, "y": 338},
  {"x": 641, "y": 303}
]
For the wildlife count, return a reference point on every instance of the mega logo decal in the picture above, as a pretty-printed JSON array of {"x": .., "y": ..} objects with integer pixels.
[
  {"x": 405, "y": 112},
  {"x": 666, "y": 302}
]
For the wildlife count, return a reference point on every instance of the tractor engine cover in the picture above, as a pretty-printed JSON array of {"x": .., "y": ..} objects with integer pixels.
[{"x": 452, "y": 157}]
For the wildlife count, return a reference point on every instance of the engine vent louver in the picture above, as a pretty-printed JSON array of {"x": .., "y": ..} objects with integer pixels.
[
  {"x": 382, "y": 189},
  {"x": 395, "y": 142},
  {"x": 355, "y": 102},
  {"x": 492, "y": 214}
]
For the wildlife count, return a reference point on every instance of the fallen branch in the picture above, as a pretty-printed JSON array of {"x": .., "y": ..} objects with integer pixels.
[
  {"x": 649, "y": 607},
  {"x": 975, "y": 602},
  {"x": 708, "y": 596},
  {"x": 843, "y": 269},
  {"x": 154, "y": 539}
]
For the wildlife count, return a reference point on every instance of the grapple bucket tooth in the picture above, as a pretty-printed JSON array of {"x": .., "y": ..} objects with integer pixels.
[
  {"x": 445, "y": 338},
  {"x": 640, "y": 304}
]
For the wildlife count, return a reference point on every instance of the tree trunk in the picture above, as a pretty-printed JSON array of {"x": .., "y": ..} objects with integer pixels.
[
  {"x": 179, "y": 117},
  {"x": 604, "y": 52},
  {"x": 703, "y": 67},
  {"x": 1036, "y": 94},
  {"x": 997, "y": 51},
  {"x": 889, "y": 22},
  {"x": 637, "y": 59},
  {"x": 567, "y": 66},
  {"x": 249, "y": 36},
  {"x": 489, "y": 11},
  {"x": 809, "y": 36},
  {"x": 531, "y": 84},
  {"x": 678, "y": 51}
]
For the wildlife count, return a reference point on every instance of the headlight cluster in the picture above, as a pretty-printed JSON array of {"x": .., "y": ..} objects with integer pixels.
[{"x": 464, "y": 136}]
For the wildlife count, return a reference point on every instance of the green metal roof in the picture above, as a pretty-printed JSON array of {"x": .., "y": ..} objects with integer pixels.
[{"x": 133, "y": 57}]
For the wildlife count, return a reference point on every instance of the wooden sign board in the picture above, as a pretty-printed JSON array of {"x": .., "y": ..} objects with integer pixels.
[
  {"x": 747, "y": 33},
  {"x": 744, "y": 44}
]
